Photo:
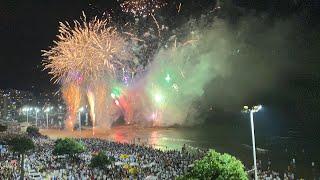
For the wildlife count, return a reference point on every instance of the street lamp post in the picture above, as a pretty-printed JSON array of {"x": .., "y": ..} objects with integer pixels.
[
  {"x": 37, "y": 111},
  {"x": 252, "y": 110},
  {"x": 47, "y": 115},
  {"x": 27, "y": 115},
  {"x": 26, "y": 110},
  {"x": 47, "y": 110}
]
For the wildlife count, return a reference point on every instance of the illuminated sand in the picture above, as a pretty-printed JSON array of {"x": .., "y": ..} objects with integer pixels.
[{"x": 162, "y": 138}]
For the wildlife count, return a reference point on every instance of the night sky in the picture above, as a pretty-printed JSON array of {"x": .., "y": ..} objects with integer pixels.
[{"x": 27, "y": 27}]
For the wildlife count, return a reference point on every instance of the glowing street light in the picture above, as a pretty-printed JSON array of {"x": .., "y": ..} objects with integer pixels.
[{"x": 252, "y": 110}]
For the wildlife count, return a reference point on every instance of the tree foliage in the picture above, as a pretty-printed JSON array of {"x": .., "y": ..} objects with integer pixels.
[
  {"x": 33, "y": 131},
  {"x": 3, "y": 128},
  {"x": 217, "y": 166},
  {"x": 20, "y": 144},
  {"x": 68, "y": 146},
  {"x": 100, "y": 161}
]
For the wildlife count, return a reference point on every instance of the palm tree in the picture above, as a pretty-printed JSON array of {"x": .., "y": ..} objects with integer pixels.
[{"x": 21, "y": 145}]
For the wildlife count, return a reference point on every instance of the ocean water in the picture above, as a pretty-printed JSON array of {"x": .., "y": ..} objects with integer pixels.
[{"x": 236, "y": 140}]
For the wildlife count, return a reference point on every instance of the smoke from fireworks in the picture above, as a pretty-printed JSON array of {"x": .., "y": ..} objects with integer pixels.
[
  {"x": 91, "y": 102},
  {"x": 87, "y": 57},
  {"x": 72, "y": 96}
]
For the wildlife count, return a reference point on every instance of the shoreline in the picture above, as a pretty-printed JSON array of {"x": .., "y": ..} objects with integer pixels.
[
  {"x": 172, "y": 138},
  {"x": 122, "y": 134}
]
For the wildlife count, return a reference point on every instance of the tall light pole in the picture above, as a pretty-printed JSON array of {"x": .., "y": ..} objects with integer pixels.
[
  {"x": 37, "y": 111},
  {"x": 252, "y": 110},
  {"x": 80, "y": 111},
  {"x": 26, "y": 110},
  {"x": 47, "y": 110},
  {"x": 28, "y": 115}
]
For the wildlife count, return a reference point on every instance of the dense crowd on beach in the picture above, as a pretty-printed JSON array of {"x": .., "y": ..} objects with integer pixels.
[
  {"x": 148, "y": 163},
  {"x": 265, "y": 172}
]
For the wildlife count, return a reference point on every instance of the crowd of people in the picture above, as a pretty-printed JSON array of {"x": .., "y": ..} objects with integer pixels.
[
  {"x": 149, "y": 162},
  {"x": 268, "y": 174}
]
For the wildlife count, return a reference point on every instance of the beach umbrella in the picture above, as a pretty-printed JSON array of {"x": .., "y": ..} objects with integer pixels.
[
  {"x": 119, "y": 163},
  {"x": 151, "y": 178}
]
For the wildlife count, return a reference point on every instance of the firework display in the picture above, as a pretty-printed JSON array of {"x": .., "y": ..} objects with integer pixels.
[
  {"x": 82, "y": 56},
  {"x": 99, "y": 68},
  {"x": 72, "y": 97},
  {"x": 88, "y": 50},
  {"x": 142, "y": 7}
]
